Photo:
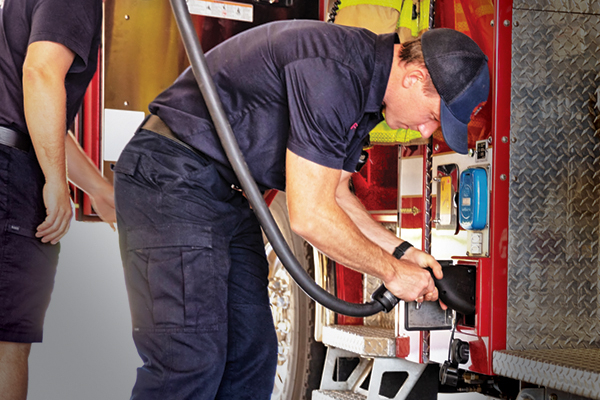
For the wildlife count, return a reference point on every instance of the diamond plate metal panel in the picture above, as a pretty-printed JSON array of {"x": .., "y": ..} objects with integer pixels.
[
  {"x": 573, "y": 6},
  {"x": 577, "y": 370},
  {"x": 360, "y": 339},
  {"x": 553, "y": 267},
  {"x": 336, "y": 395},
  {"x": 382, "y": 320}
]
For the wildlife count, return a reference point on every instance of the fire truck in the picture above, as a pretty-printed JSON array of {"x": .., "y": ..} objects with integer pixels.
[{"x": 516, "y": 221}]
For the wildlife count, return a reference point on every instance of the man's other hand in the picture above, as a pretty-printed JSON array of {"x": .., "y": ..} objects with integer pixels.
[{"x": 58, "y": 213}]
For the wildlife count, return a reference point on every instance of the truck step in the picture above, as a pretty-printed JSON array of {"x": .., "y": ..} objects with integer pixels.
[
  {"x": 336, "y": 395},
  {"x": 366, "y": 341},
  {"x": 575, "y": 371}
]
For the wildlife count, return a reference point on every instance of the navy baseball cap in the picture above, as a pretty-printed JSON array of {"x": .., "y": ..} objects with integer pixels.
[{"x": 460, "y": 74}]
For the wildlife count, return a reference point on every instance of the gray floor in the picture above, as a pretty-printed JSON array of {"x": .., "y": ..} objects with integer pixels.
[{"x": 87, "y": 352}]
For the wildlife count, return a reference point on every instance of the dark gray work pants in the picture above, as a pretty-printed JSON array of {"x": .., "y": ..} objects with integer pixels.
[{"x": 196, "y": 275}]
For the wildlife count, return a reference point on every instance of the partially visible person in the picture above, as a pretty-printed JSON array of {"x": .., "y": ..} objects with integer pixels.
[
  {"x": 409, "y": 19},
  {"x": 48, "y": 55}
]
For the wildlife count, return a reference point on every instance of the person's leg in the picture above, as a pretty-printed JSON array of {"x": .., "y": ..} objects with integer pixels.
[
  {"x": 14, "y": 370},
  {"x": 27, "y": 267},
  {"x": 252, "y": 349},
  {"x": 173, "y": 221}
]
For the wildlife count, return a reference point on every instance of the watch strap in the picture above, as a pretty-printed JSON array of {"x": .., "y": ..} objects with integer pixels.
[{"x": 401, "y": 249}]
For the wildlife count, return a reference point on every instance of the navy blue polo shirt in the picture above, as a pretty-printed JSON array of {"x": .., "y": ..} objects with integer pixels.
[
  {"x": 308, "y": 86},
  {"x": 75, "y": 24}
]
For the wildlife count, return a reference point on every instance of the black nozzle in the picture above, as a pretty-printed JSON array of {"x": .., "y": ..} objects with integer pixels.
[
  {"x": 385, "y": 298},
  {"x": 457, "y": 288}
]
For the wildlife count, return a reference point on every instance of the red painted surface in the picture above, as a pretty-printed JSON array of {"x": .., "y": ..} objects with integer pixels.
[
  {"x": 479, "y": 356},
  {"x": 492, "y": 283},
  {"x": 402, "y": 346},
  {"x": 270, "y": 196},
  {"x": 90, "y": 136},
  {"x": 410, "y": 220},
  {"x": 349, "y": 284},
  {"x": 377, "y": 183},
  {"x": 500, "y": 175}
]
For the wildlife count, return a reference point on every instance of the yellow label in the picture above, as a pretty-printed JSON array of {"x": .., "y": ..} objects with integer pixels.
[{"x": 445, "y": 200}]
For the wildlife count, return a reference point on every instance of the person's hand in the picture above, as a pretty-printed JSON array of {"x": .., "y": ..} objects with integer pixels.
[
  {"x": 411, "y": 282},
  {"x": 58, "y": 213},
  {"x": 424, "y": 260},
  {"x": 103, "y": 202}
]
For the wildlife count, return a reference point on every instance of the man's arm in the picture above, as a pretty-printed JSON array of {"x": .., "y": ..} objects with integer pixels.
[
  {"x": 375, "y": 231},
  {"x": 316, "y": 216},
  {"x": 83, "y": 173},
  {"x": 45, "y": 102}
]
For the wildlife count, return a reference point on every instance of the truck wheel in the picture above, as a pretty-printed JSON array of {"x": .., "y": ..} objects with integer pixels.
[{"x": 300, "y": 357}]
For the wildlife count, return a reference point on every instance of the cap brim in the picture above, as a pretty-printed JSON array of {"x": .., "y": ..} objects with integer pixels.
[{"x": 455, "y": 132}]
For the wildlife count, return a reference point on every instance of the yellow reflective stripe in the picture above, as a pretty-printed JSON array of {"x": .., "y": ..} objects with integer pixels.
[
  {"x": 395, "y": 4},
  {"x": 405, "y": 20},
  {"x": 483, "y": 10},
  {"x": 424, "y": 16},
  {"x": 383, "y": 134},
  {"x": 419, "y": 25},
  {"x": 460, "y": 19}
]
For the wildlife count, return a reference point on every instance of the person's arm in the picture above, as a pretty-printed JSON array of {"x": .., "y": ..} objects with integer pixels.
[
  {"x": 375, "y": 231},
  {"x": 83, "y": 173},
  {"x": 316, "y": 216},
  {"x": 45, "y": 102}
]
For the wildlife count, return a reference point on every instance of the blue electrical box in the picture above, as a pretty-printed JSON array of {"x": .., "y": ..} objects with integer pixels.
[{"x": 473, "y": 199}]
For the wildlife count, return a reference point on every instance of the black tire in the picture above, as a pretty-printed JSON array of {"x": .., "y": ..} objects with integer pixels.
[{"x": 300, "y": 357}]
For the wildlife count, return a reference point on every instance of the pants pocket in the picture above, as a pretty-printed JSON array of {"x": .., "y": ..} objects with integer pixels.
[
  {"x": 172, "y": 279},
  {"x": 203, "y": 306}
]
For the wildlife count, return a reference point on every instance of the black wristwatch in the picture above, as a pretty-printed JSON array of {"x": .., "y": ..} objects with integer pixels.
[{"x": 401, "y": 249}]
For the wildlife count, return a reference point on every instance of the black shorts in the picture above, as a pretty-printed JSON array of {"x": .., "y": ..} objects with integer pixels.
[{"x": 27, "y": 266}]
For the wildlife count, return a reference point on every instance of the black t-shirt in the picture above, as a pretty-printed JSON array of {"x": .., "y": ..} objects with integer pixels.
[
  {"x": 309, "y": 86},
  {"x": 75, "y": 24}
]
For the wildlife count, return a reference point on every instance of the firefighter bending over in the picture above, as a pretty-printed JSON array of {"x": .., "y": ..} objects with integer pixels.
[{"x": 301, "y": 97}]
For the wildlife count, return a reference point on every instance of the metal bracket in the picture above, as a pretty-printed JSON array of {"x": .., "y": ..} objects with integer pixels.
[
  {"x": 327, "y": 382},
  {"x": 382, "y": 365},
  {"x": 532, "y": 394},
  {"x": 378, "y": 367}
]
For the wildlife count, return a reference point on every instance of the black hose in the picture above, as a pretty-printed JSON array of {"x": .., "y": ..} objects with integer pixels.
[{"x": 235, "y": 156}]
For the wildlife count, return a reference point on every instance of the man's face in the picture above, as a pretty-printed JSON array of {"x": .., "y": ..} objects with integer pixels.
[
  {"x": 407, "y": 106},
  {"x": 419, "y": 113}
]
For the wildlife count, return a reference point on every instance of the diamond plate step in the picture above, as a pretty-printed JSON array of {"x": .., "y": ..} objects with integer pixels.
[
  {"x": 575, "y": 371},
  {"x": 363, "y": 340},
  {"x": 336, "y": 395}
]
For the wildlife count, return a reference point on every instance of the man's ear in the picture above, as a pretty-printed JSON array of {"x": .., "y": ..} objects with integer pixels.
[{"x": 414, "y": 74}]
